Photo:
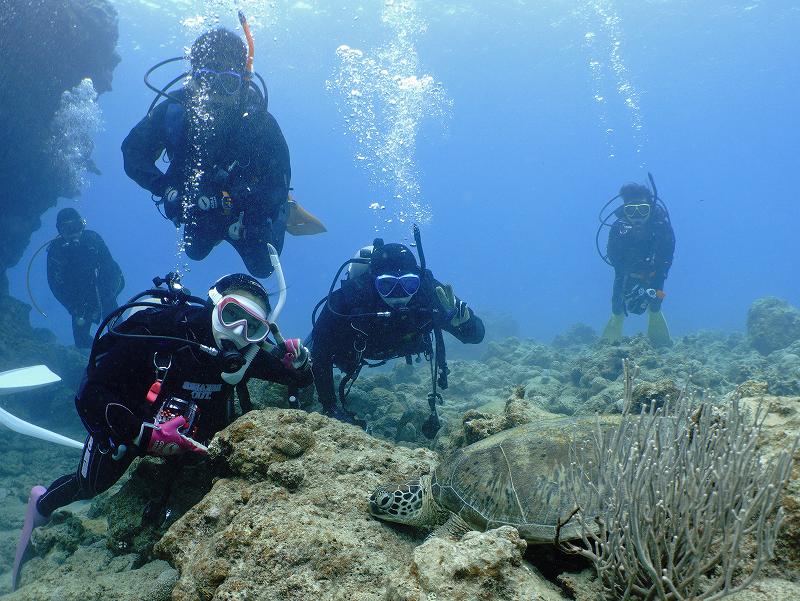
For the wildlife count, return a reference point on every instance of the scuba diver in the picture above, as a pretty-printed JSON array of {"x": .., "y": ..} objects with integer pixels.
[
  {"x": 82, "y": 274},
  {"x": 641, "y": 244},
  {"x": 160, "y": 378},
  {"x": 387, "y": 307},
  {"x": 229, "y": 171}
]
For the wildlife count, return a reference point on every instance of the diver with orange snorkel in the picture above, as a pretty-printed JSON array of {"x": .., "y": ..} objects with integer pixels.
[{"x": 229, "y": 170}]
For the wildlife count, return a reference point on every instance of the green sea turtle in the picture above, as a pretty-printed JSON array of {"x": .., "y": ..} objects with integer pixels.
[{"x": 515, "y": 477}]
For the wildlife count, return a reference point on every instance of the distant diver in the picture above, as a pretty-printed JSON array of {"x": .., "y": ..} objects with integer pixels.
[
  {"x": 82, "y": 274},
  {"x": 641, "y": 245},
  {"x": 160, "y": 379},
  {"x": 229, "y": 172},
  {"x": 387, "y": 307}
]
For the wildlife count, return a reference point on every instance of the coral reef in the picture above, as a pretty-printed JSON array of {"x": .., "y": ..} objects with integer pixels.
[
  {"x": 280, "y": 510},
  {"x": 288, "y": 518},
  {"x": 772, "y": 324},
  {"x": 486, "y": 566}
]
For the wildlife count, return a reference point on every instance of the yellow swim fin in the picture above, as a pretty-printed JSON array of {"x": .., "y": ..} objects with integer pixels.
[
  {"x": 301, "y": 222},
  {"x": 657, "y": 330},
  {"x": 613, "y": 330}
]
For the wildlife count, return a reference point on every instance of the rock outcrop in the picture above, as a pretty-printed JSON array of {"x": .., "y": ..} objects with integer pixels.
[
  {"x": 48, "y": 47},
  {"x": 772, "y": 324},
  {"x": 481, "y": 566},
  {"x": 288, "y": 518}
]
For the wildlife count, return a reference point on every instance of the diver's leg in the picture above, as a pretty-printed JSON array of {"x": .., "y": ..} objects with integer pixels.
[
  {"x": 253, "y": 247},
  {"x": 613, "y": 329},
  {"x": 80, "y": 331},
  {"x": 255, "y": 255},
  {"x": 96, "y": 472},
  {"x": 200, "y": 235},
  {"x": 657, "y": 329}
]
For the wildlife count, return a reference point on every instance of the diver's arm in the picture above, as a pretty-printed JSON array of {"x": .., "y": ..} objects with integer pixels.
[
  {"x": 664, "y": 248},
  {"x": 141, "y": 149},
  {"x": 470, "y": 332},
  {"x": 57, "y": 270},
  {"x": 110, "y": 278},
  {"x": 105, "y": 262},
  {"x": 615, "y": 250},
  {"x": 112, "y": 397},
  {"x": 265, "y": 366},
  {"x": 322, "y": 353}
]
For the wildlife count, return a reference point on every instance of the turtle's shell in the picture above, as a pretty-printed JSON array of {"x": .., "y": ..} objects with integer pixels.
[{"x": 516, "y": 477}]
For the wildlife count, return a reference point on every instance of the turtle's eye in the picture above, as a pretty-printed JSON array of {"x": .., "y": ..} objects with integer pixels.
[{"x": 381, "y": 499}]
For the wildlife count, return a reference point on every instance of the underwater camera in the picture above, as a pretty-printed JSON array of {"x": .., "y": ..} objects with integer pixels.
[
  {"x": 638, "y": 298},
  {"x": 174, "y": 407}
]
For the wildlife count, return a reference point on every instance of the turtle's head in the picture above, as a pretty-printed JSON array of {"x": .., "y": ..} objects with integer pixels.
[{"x": 404, "y": 503}]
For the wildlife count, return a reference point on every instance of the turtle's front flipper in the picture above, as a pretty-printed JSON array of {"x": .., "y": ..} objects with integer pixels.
[{"x": 454, "y": 528}]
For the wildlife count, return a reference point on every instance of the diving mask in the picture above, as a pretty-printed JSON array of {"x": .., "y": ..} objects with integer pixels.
[
  {"x": 386, "y": 284},
  {"x": 224, "y": 82},
  {"x": 72, "y": 229},
  {"x": 241, "y": 320},
  {"x": 397, "y": 290},
  {"x": 637, "y": 212}
]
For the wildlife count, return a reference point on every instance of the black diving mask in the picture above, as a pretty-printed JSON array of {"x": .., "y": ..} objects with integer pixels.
[
  {"x": 72, "y": 229},
  {"x": 223, "y": 82}
]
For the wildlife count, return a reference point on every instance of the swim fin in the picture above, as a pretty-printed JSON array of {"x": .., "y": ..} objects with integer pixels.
[
  {"x": 613, "y": 329},
  {"x": 301, "y": 222},
  {"x": 657, "y": 330},
  {"x": 33, "y": 519},
  {"x": 26, "y": 378}
]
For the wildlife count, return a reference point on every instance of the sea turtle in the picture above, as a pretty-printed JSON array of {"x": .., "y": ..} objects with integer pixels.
[{"x": 515, "y": 477}]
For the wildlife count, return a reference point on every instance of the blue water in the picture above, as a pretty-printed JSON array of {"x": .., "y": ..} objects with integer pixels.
[{"x": 517, "y": 167}]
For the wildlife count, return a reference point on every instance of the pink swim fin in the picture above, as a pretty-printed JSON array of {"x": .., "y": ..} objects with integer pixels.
[{"x": 33, "y": 519}]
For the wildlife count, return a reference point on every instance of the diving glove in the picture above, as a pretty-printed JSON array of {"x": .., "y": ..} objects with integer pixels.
[
  {"x": 166, "y": 439},
  {"x": 290, "y": 351},
  {"x": 455, "y": 310},
  {"x": 613, "y": 329}
]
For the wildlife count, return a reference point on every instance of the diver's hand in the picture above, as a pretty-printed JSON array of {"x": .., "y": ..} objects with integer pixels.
[
  {"x": 456, "y": 310},
  {"x": 297, "y": 356},
  {"x": 166, "y": 441},
  {"x": 236, "y": 230},
  {"x": 290, "y": 351}
]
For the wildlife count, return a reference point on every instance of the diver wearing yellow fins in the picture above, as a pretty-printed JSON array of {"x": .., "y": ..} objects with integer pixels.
[
  {"x": 641, "y": 245},
  {"x": 229, "y": 171}
]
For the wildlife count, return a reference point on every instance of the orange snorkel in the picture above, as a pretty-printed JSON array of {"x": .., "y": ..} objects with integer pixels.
[{"x": 251, "y": 46}]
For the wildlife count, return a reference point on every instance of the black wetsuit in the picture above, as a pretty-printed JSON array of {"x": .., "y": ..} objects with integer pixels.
[
  {"x": 112, "y": 399},
  {"x": 245, "y": 156},
  {"x": 85, "y": 279},
  {"x": 336, "y": 340},
  {"x": 640, "y": 254}
]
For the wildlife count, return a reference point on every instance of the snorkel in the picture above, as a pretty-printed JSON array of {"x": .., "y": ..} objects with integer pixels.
[
  {"x": 275, "y": 260},
  {"x": 249, "y": 353},
  {"x": 251, "y": 46}
]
